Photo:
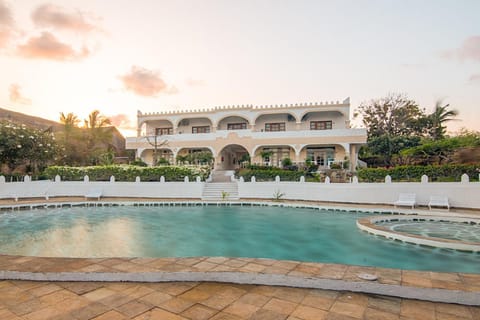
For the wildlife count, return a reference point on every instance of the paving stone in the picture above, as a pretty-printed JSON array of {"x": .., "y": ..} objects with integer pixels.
[
  {"x": 44, "y": 289},
  {"x": 133, "y": 308},
  {"x": 159, "y": 314},
  {"x": 195, "y": 295},
  {"x": 43, "y": 314},
  {"x": 375, "y": 314},
  {"x": 309, "y": 313},
  {"x": 265, "y": 314},
  {"x": 155, "y": 298},
  {"x": 240, "y": 309},
  {"x": 418, "y": 309},
  {"x": 80, "y": 287},
  {"x": 254, "y": 299},
  {"x": 177, "y": 305},
  {"x": 318, "y": 302},
  {"x": 199, "y": 312},
  {"x": 348, "y": 309},
  {"x": 90, "y": 311},
  {"x": 290, "y": 294},
  {"x": 115, "y": 300},
  {"x": 99, "y": 294},
  {"x": 110, "y": 315},
  {"x": 280, "y": 306},
  {"x": 453, "y": 309}
]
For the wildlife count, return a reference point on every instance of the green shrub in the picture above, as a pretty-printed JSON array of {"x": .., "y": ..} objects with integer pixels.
[
  {"x": 128, "y": 173},
  {"x": 447, "y": 172},
  {"x": 286, "y": 162},
  {"x": 270, "y": 174},
  {"x": 139, "y": 162}
]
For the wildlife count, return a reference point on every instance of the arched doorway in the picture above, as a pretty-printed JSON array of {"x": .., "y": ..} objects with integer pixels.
[{"x": 232, "y": 156}]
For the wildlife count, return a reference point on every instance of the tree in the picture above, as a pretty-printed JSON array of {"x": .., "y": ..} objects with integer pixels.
[
  {"x": 392, "y": 115},
  {"x": 438, "y": 118},
  {"x": 71, "y": 137},
  {"x": 69, "y": 121},
  {"x": 393, "y": 123},
  {"x": 96, "y": 126},
  {"x": 97, "y": 135}
]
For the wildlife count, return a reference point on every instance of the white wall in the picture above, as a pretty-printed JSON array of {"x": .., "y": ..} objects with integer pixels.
[
  {"x": 109, "y": 189},
  {"x": 462, "y": 195}
]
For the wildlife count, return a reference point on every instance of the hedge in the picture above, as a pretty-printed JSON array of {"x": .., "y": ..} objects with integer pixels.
[
  {"x": 447, "y": 172},
  {"x": 128, "y": 173},
  {"x": 270, "y": 174}
]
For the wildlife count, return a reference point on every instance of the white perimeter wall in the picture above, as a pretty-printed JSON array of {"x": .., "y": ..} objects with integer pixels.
[
  {"x": 464, "y": 195},
  {"x": 109, "y": 189}
]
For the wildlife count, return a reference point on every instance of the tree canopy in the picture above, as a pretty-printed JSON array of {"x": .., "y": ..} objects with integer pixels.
[{"x": 396, "y": 123}]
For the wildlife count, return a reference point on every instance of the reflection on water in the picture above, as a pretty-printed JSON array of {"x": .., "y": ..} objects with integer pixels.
[
  {"x": 257, "y": 232},
  {"x": 54, "y": 237}
]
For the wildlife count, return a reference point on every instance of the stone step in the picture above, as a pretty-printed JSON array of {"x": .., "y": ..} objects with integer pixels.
[{"x": 216, "y": 190}]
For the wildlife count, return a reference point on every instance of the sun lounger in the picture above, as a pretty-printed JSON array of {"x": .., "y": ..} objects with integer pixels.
[
  {"x": 94, "y": 193},
  {"x": 438, "y": 201},
  {"x": 406, "y": 199}
]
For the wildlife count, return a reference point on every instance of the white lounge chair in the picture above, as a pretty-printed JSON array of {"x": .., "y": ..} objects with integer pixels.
[
  {"x": 438, "y": 201},
  {"x": 406, "y": 199},
  {"x": 94, "y": 193}
]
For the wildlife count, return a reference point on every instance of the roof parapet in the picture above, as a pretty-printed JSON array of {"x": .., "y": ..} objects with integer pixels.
[{"x": 247, "y": 106}]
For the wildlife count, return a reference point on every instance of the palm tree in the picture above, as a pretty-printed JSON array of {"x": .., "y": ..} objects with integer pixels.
[
  {"x": 96, "y": 127},
  {"x": 70, "y": 120},
  {"x": 438, "y": 118},
  {"x": 72, "y": 141}
]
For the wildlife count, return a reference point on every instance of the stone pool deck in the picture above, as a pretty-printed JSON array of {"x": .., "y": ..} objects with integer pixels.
[{"x": 227, "y": 288}]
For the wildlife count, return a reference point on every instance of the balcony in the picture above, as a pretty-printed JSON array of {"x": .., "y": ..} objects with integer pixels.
[{"x": 142, "y": 142}]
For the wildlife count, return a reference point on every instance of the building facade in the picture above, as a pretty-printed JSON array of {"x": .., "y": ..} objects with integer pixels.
[{"x": 317, "y": 132}]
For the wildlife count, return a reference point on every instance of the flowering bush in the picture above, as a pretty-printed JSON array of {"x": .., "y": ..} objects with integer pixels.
[{"x": 23, "y": 146}]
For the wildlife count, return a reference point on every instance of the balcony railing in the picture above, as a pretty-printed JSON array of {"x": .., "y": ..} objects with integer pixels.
[{"x": 247, "y": 133}]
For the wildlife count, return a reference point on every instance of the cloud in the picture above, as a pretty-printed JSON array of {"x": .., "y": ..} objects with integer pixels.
[
  {"x": 469, "y": 50},
  {"x": 49, "y": 15},
  {"x": 122, "y": 121},
  {"x": 5, "y": 14},
  {"x": 474, "y": 78},
  {"x": 145, "y": 82},
  {"x": 47, "y": 46},
  {"x": 16, "y": 96},
  {"x": 6, "y": 24},
  {"x": 194, "y": 82},
  {"x": 413, "y": 65}
]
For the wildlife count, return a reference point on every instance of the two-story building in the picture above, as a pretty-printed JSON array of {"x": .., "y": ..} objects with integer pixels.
[{"x": 320, "y": 132}]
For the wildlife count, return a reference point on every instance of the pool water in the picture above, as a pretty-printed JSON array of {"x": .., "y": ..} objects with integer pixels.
[
  {"x": 437, "y": 229},
  {"x": 258, "y": 232}
]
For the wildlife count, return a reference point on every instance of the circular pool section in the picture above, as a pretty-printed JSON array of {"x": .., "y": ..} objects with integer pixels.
[
  {"x": 302, "y": 234},
  {"x": 468, "y": 231},
  {"x": 458, "y": 233}
]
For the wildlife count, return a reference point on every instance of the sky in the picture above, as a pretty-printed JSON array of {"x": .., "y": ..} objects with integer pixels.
[{"x": 154, "y": 55}]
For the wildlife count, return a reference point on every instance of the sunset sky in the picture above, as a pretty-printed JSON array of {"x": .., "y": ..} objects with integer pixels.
[{"x": 152, "y": 55}]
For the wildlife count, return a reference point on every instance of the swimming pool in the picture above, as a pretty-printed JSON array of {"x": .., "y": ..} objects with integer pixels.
[{"x": 232, "y": 231}]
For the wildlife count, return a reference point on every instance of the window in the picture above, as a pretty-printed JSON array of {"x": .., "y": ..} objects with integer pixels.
[
  {"x": 320, "y": 125},
  {"x": 203, "y": 129},
  {"x": 275, "y": 126},
  {"x": 163, "y": 131},
  {"x": 236, "y": 126}
]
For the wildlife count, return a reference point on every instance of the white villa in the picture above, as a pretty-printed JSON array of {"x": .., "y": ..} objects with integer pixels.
[{"x": 320, "y": 132}]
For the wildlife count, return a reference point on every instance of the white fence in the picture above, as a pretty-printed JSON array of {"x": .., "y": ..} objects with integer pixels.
[{"x": 463, "y": 194}]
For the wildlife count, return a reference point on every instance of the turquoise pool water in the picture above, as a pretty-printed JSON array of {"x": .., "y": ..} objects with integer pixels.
[{"x": 263, "y": 232}]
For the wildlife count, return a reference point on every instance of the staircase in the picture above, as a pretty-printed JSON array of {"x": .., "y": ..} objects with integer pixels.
[{"x": 221, "y": 187}]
